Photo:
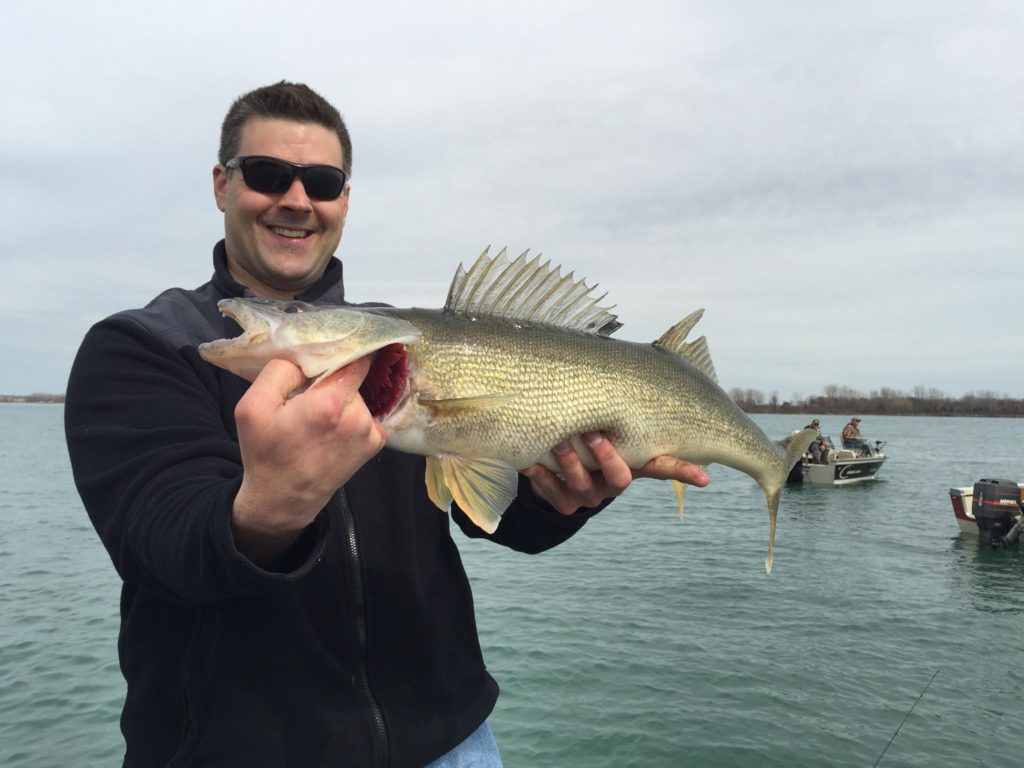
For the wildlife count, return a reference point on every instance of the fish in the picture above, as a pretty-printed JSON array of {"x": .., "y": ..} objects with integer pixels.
[{"x": 519, "y": 359}]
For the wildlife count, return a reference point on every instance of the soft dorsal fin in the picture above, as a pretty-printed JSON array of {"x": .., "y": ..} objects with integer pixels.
[
  {"x": 696, "y": 351},
  {"x": 528, "y": 291}
]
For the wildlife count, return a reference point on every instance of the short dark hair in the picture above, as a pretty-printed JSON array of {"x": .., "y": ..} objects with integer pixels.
[{"x": 288, "y": 101}]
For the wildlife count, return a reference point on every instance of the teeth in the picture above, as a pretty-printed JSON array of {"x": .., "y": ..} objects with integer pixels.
[{"x": 289, "y": 232}]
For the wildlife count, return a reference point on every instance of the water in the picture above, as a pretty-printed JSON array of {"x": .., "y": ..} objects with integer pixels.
[
  {"x": 61, "y": 689},
  {"x": 643, "y": 641}
]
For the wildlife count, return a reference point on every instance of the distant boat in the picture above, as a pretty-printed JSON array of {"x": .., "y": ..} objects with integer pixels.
[
  {"x": 843, "y": 466},
  {"x": 996, "y": 503}
]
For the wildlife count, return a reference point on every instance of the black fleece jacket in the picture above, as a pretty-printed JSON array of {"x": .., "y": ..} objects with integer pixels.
[{"x": 359, "y": 647}]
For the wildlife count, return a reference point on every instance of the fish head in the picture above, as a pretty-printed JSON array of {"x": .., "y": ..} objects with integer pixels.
[{"x": 319, "y": 340}]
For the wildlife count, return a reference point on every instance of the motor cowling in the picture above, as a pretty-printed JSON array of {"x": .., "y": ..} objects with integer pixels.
[{"x": 996, "y": 506}]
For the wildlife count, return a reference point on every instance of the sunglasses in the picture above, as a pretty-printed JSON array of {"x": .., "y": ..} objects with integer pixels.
[{"x": 273, "y": 176}]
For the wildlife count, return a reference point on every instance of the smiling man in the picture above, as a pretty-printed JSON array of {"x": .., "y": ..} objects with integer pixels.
[
  {"x": 280, "y": 235},
  {"x": 290, "y": 597}
]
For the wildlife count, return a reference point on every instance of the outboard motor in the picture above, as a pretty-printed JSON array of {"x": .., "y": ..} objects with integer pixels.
[{"x": 996, "y": 507}]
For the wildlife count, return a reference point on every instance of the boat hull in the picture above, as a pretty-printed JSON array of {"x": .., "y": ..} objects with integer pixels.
[
  {"x": 962, "y": 500},
  {"x": 842, "y": 470}
]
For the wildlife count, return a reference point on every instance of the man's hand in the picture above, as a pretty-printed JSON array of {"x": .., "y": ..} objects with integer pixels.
[
  {"x": 297, "y": 452},
  {"x": 575, "y": 487}
]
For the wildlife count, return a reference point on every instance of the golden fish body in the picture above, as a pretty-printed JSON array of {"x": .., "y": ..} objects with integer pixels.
[
  {"x": 493, "y": 388},
  {"x": 519, "y": 359}
]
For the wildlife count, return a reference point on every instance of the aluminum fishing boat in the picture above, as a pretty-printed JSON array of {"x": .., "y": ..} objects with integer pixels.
[{"x": 840, "y": 466}]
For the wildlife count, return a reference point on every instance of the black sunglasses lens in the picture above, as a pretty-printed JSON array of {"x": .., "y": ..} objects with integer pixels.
[
  {"x": 265, "y": 175},
  {"x": 322, "y": 182}
]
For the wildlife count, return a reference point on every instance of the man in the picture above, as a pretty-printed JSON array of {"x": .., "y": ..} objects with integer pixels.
[
  {"x": 851, "y": 434},
  {"x": 819, "y": 448},
  {"x": 290, "y": 595}
]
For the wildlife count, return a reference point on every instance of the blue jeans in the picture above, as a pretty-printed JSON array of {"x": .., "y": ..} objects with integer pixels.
[{"x": 480, "y": 750}]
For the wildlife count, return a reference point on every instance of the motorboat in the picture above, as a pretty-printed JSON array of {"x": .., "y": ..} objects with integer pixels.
[
  {"x": 839, "y": 466},
  {"x": 990, "y": 509}
]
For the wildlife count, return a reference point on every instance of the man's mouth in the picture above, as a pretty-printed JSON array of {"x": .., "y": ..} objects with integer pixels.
[{"x": 290, "y": 233}]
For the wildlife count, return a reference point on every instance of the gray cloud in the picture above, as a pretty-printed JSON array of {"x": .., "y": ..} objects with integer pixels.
[{"x": 838, "y": 184}]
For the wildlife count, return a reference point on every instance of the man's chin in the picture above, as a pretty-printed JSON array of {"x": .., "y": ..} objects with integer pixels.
[{"x": 295, "y": 277}]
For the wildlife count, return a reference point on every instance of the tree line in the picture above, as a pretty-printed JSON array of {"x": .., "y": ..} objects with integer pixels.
[
  {"x": 836, "y": 399},
  {"x": 845, "y": 401},
  {"x": 35, "y": 397}
]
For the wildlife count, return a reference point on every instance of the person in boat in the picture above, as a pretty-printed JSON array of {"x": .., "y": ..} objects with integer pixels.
[
  {"x": 851, "y": 434},
  {"x": 820, "y": 448},
  {"x": 852, "y": 438},
  {"x": 824, "y": 450}
]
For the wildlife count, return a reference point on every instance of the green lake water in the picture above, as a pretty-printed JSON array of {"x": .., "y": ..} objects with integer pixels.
[{"x": 644, "y": 640}]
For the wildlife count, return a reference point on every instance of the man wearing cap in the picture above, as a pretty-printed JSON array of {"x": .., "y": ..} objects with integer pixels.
[
  {"x": 819, "y": 448},
  {"x": 851, "y": 434}
]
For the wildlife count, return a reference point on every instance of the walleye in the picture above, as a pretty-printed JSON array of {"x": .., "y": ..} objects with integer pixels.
[{"x": 519, "y": 359}]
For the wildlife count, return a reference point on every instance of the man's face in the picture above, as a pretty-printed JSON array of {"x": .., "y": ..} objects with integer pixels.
[{"x": 279, "y": 244}]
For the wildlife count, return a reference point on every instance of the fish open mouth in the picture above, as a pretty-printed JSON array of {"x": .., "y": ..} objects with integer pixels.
[{"x": 385, "y": 382}]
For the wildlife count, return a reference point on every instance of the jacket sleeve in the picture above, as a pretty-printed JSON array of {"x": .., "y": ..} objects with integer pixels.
[
  {"x": 530, "y": 525},
  {"x": 157, "y": 466}
]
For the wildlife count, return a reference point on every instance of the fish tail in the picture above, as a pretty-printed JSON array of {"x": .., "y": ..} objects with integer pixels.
[
  {"x": 789, "y": 450},
  {"x": 773, "y": 514}
]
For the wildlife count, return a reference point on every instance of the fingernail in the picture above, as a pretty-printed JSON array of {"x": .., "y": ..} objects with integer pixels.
[
  {"x": 593, "y": 438},
  {"x": 562, "y": 448}
]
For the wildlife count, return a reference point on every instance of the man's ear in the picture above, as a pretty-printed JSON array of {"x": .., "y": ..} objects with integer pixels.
[{"x": 220, "y": 184}]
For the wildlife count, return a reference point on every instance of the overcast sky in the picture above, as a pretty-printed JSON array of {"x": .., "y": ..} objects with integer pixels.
[{"x": 840, "y": 185}]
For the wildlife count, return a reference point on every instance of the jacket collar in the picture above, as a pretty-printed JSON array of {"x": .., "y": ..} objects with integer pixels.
[{"x": 329, "y": 289}]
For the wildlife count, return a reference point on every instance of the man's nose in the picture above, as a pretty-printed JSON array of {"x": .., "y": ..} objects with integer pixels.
[{"x": 295, "y": 196}]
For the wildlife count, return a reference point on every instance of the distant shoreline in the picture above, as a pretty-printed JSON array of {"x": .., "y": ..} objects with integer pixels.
[
  {"x": 849, "y": 412},
  {"x": 35, "y": 398},
  {"x": 1004, "y": 408}
]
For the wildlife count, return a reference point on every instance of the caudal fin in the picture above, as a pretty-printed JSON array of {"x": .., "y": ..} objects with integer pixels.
[{"x": 790, "y": 450}]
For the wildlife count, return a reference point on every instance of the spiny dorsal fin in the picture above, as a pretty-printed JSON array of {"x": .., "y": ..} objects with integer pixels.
[
  {"x": 528, "y": 291},
  {"x": 696, "y": 351}
]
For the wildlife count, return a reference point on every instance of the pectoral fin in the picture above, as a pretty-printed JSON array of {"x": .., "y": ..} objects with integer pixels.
[
  {"x": 483, "y": 488},
  {"x": 478, "y": 403}
]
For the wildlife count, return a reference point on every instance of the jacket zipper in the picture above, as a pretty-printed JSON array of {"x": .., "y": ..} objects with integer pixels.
[{"x": 358, "y": 595}]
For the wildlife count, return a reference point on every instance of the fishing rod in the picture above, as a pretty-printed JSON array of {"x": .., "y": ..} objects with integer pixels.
[{"x": 905, "y": 717}]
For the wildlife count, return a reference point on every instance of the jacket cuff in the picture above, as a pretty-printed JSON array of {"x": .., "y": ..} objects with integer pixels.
[
  {"x": 297, "y": 561},
  {"x": 542, "y": 511}
]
